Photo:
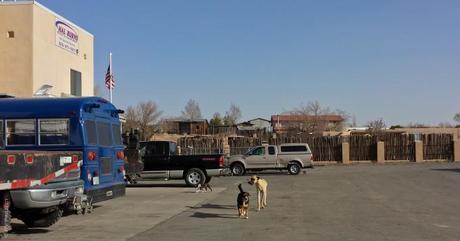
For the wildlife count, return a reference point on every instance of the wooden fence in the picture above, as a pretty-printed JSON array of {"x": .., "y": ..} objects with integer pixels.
[
  {"x": 438, "y": 147},
  {"x": 329, "y": 149},
  {"x": 200, "y": 145}
]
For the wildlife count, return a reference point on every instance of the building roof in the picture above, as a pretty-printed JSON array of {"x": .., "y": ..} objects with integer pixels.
[
  {"x": 302, "y": 118},
  {"x": 185, "y": 120}
]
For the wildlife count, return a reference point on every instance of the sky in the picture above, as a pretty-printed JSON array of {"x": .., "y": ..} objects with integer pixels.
[{"x": 395, "y": 59}]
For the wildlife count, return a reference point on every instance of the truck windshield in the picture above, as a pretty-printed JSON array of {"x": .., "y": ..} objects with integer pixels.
[{"x": 259, "y": 151}]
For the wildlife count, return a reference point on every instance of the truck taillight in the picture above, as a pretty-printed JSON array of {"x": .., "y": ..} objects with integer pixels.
[
  {"x": 30, "y": 159},
  {"x": 75, "y": 158},
  {"x": 120, "y": 155},
  {"x": 221, "y": 161},
  {"x": 11, "y": 159},
  {"x": 91, "y": 155}
]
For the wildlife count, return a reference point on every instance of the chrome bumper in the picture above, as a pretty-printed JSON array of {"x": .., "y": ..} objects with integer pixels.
[
  {"x": 44, "y": 196},
  {"x": 218, "y": 172}
]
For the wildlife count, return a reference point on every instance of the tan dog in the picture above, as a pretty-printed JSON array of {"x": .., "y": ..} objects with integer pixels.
[{"x": 261, "y": 187}]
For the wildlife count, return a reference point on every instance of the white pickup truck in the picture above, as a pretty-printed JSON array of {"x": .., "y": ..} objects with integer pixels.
[{"x": 292, "y": 157}]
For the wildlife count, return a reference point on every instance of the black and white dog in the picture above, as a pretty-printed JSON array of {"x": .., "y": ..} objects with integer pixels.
[{"x": 242, "y": 202}]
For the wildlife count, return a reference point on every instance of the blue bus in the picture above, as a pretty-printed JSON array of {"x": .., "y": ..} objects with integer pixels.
[{"x": 87, "y": 125}]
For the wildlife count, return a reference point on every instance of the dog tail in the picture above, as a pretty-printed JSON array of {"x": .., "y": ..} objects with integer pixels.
[{"x": 241, "y": 188}]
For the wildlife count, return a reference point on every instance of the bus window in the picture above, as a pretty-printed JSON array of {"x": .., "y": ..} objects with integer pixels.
[
  {"x": 20, "y": 132},
  {"x": 54, "y": 132},
  {"x": 104, "y": 134},
  {"x": 116, "y": 135},
  {"x": 90, "y": 129},
  {"x": 2, "y": 137}
]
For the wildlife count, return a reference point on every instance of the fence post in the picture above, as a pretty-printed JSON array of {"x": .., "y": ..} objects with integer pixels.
[
  {"x": 380, "y": 152},
  {"x": 345, "y": 153},
  {"x": 457, "y": 150},
  {"x": 418, "y": 151}
]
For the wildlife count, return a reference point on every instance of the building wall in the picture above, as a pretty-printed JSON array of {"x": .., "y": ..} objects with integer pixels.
[
  {"x": 52, "y": 64},
  {"x": 32, "y": 59},
  {"x": 16, "y": 53}
]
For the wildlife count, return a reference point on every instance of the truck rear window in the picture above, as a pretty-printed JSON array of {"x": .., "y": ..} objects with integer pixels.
[{"x": 294, "y": 149}]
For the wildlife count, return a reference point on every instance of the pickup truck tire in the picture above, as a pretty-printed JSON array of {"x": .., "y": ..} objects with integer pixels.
[
  {"x": 294, "y": 168},
  {"x": 208, "y": 179},
  {"x": 40, "y": 219},
  {"x": 194, "y": 176},
  {"x": 237, "y": 169}
]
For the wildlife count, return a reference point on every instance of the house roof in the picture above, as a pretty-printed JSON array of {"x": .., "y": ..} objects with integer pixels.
[{"x": 302, "y": 118}]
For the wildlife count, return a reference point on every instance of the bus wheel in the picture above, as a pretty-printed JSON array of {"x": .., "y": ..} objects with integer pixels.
[
  {"x": 42, "y": 220},
  {"x": 195, "y": 176}
]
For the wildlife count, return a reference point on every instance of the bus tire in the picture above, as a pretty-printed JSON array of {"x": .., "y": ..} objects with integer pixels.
[{"x": 42, "y": 220}]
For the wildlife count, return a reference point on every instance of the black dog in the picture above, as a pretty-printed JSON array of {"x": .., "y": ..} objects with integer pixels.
[{"x": 242, "y": 202}]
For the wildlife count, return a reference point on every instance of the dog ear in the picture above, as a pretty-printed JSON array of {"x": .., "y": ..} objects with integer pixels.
[{"x": 258, "y": 177}]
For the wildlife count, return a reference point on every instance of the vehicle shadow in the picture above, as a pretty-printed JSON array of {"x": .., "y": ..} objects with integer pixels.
[
  {"x": 148, "y": 185},
  {"x": 446, "y": 169},
  {"x": 212, "y": 215},
  {"x": 22, "y": 229}
]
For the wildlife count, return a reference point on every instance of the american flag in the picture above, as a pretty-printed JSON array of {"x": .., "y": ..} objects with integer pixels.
[{"x": 109, "y": 80}]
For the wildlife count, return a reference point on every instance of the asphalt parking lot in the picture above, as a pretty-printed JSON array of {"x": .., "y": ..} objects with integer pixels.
[{"x": 357, "y": 202}]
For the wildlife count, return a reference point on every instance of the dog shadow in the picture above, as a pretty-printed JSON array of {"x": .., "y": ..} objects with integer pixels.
[
  {"x": 202, "y": 215},
  {"x": 212, "y": 206},
  {"x": 446, "y": 169}
]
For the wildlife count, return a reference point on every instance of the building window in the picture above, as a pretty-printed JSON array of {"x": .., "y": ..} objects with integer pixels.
[
  {"x": 75, "y": 83},
  {"x": 10, "y": 34},
  {"x": 20, "y": 132},
  {"x": 54, "y": 132}
]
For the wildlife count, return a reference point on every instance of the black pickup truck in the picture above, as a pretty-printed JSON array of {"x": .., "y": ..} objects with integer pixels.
[{"x": 161, "y": 161}]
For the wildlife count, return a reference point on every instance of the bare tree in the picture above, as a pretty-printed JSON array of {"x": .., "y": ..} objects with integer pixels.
[
  {"x": 192, "y": 111},
  {"x": 232, "y": 115},
  {"x": 457, "y": 117},
  {"x": 376, "y": 125},
  {"x": 416, "y": 125},
  {"x": 143, "y": 116},
  {"x": 315, "y": 110},
  {"x": 445, "y": 125},
  {"x": 216, "y": 119}
]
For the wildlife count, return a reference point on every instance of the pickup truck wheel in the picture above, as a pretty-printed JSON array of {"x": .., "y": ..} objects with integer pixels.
[
  {"x": 238, "y": 169},
  {"x": 294, "y": 169},
  {"x": 42, "y": 220},
  {"x": 208, "y": 179},
  {"x": 195, "y": 176}
]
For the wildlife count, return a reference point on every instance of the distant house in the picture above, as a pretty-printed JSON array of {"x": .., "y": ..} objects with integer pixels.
[
  {"x": 305, "y": 123},
  {"x": 186, "y": 127},
  {"x": 254, "y": 127}
]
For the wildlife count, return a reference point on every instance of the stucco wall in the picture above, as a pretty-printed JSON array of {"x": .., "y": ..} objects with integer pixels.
[
  {"x": 16, "y": 53},
  {"x": 32, "y": 59},
  {"x": 52, "y": 64}
]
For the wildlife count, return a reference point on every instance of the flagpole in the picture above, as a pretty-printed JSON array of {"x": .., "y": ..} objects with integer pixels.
[{"x": 111, "y": 76}]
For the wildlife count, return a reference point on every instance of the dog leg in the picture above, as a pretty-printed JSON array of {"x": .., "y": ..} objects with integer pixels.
[
  {"x": 264, "y": 200},
  {"x": 258, "y": 200}
]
